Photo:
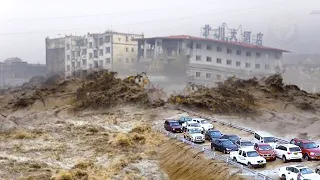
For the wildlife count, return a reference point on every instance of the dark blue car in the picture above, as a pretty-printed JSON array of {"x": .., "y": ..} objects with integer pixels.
[
  {"x": 184, "y": 119},
  {"x": 233, "y": 138},
  {"x": 212, "y": 135},
  {"x": 223, "y": 145}
]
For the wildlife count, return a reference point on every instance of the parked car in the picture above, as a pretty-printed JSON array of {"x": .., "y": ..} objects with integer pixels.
[
  {"x": 265, "y": 137},
  {"x": 249, "y": 157},
  {"x": 223, "y": 145},
  {"x": 212, "y": 134},
  {"x": 231, "y": 137},
  {"x": 310, "y": 150},
  {"x": 192, "y": 124},
  {"x": 203, "y": 123},
  {"x": 294, "y": 171},
  {"x": 184, "y": 119},
  {"x": 193, "y": 134},
  {"x": 265, "y": 150},
  {"x": 172, "y": 125},
  {"x": 318, "y": 170},
  {"x": 244, "y": 144},
  {"x": 288, "y": 152}
]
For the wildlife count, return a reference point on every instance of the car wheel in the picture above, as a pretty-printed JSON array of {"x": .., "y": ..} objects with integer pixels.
[
  {"x": 250, "y": 166},
  {"x": 284, "y": 159},
  {"x": 224, "y": 151},
  {"x": 318, "y": 171},
  {"x": 283, "y": 177},
  {"x": 212, "y": 148},
  {"x": 234, "y": 159},
  {"x": 306, "y": 157}
]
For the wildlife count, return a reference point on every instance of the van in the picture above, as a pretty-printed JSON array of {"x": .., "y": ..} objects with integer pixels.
[{"x": 265, "y": 137}]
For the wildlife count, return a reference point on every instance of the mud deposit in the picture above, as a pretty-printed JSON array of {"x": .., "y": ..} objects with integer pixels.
[{"x": 181, "y": 162}]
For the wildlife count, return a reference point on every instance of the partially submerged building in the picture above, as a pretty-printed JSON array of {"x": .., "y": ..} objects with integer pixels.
[
  {"x": 15, "y": 72},
  {"x": 208, "y": 61},
  {"x": 74, "y": 54}
]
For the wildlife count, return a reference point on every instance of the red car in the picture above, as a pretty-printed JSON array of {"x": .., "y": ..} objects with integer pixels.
[
  {"x": 265, "y": 150},
  {"x": 310, "y": 150}
]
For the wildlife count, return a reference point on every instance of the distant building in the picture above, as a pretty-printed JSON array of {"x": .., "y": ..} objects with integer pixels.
[
  {"x": 109, "y": 50},
  {"x": 15, "y": 72},
  {"x": 209, "y": 61}
]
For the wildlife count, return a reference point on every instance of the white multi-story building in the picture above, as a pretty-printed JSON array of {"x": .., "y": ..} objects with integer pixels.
[
  {"x": 73, "y": 54},
  {"x": 210, "y": 61}
]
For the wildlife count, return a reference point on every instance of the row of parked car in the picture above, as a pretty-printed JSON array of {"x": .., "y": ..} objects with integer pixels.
[{"x": 253, "y": 154}]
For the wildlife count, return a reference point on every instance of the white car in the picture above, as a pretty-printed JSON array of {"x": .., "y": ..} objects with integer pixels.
[
  {"x": 203, "y": 123},
  {"x": 193, "y": 134},
  {"x": 294, "y": 171},
  {"x": 265, "y": 137},
  {"x": 192, "y": 124},
  {"x": 288, "y": 152},
  {"x": 249, "y": 157}
]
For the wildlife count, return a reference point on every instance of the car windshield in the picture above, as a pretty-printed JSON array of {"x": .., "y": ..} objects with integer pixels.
[
  {"x": 265, "y": 148},
  {"x": 252, "y": 154},
  {"x": 227, "y": 143},
  {"x": 215, "y": 133},
  {"x": 204, "y": 122},
  {"x": 185, "y": 119},
  {"x": 269, "y": 139},
  {"x": 174, "y": 124},
  {"x": 295, "y": 149},
  {"x": 310, "y": 145},
  {"x": 246, "y": 143},
  {"x": 192, "y": 131},
  {"x": 195, "y": 125},
  {"x": 234, "y": 138},
  {"x": 306, "y": 171}
]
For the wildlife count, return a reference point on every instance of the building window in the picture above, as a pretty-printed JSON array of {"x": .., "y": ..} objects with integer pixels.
[
  {"x": 198, "y": 74},
  {"x": 68, "y": 67},
  {"x": 238, "y": 52},
  {"x": 95, "y": 53},
  {"x": 209, "y": 59},
  {"x": 238, "y": 64},
  {"x": 229, "y": 62},
  {"x": 84, "y": 62},
  {"x": 132, "y": 49},
  {"x": 72, "y": 65},
  {"x": 107, "y": 39},
  {"x": 68, "y": 57},
  {"x": 218, "y": 77},
  {"x": 68, "y": 46},
  {"x": 258, "y": 54},
  {"x": 257, "y": 66},
  {"x": 108, "y": 50},
  {"x": 209, "y": 47},
  {"x": 266, "y": 66},
  {"x": 127, "y": 49},
  {"x": 100, "y": 41},
  {"x": 100, "y": 52},
  {"x": 198, "y": 46},
  {"x": 90, "y": 55},
  {"x": 73, "y": 54},
  {"x": 219, "y": 61},
  {"x": 90, "y": 44},
  {"x": 108, "y": 61},
  {"x": 127, "y": 38},
  {"x": 248, "y": 54},
  {"x": 208, "y": 75},
  {"x": 77, "y": 53},
  {"x": 247, "y": 65},
  {"x": 84, "y": 51},
  {"x": 219, "y": 49},
  {"x": 229, "y": 51},
  {"x": 198, "y": 58},
  {"x": 100, "y": 63}
]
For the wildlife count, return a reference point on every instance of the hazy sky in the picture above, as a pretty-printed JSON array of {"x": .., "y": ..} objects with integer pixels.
[{"x": 25, "y": 24}]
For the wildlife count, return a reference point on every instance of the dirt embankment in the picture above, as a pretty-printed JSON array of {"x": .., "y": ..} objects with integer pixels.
[{"x": 181, "y": 162}]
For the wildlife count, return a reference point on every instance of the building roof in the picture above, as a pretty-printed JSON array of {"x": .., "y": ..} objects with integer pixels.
[{"x": 239, "y": 44}]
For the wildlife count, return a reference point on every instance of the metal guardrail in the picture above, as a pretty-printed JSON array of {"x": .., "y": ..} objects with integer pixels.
[{"x": 243, "y": 169}]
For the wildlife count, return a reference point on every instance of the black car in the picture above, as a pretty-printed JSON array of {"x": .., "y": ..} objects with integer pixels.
[
  {"x": 213, "y": 134},
  {"x": 231, "y": 137},
  {"x": 172, "y": 125},
  {"x": 318, "y": 170},
  {"x": 223, "y": 145},
  {"x": 184, "y": 119}
]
